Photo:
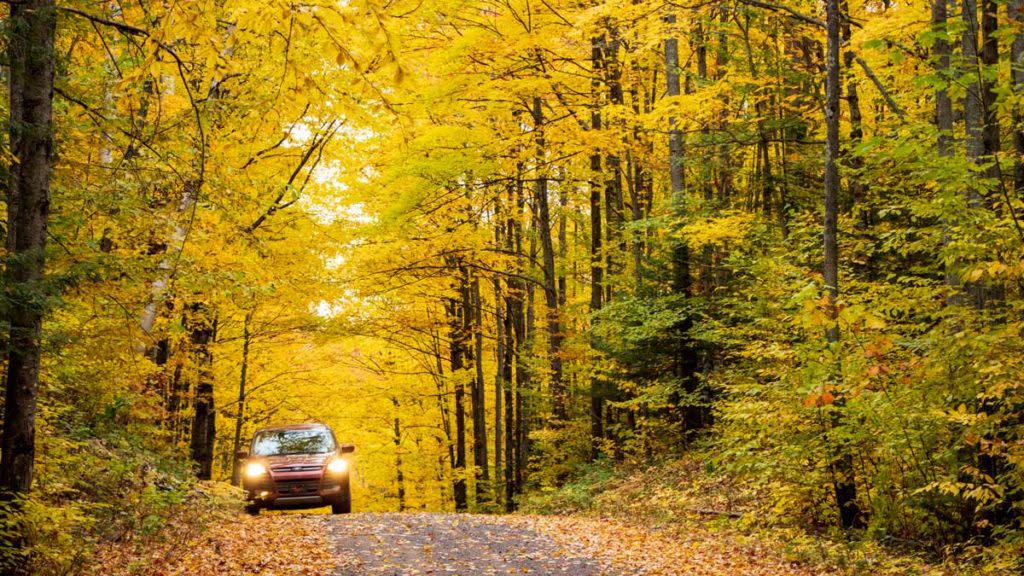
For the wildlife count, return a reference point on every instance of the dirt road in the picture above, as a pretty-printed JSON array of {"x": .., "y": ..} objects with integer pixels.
[
  {"x": 475, "y": 545},
  {"x": 413, "y": 544}
]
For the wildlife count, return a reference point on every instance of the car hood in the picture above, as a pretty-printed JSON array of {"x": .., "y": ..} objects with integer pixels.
[{"x": 295, "y": 460}]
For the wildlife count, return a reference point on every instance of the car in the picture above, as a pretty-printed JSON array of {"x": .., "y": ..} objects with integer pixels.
[{"x": 296, "y": 466}]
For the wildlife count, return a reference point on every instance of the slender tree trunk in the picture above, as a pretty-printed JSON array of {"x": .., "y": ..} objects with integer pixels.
[
  {"x": 500, "y": 382},
  {"x": 982, "y": 127},
  {"x": 614, "y": 217},
  {"x": 723, "y": 163},
  {"x": 677, "y": 178},
  {"x": 480, "y": 463},
  {"x": 685, "y": 364},
  {"x": 596, "y": 240},
  {"x": 202, "y": 331},
  {"x": 992, "y": 294},
  {"x": 856, "y": 187},
  {"x": 240, "y": 414},
  {"x": 1015, "y": 11},
  {"x": 524, "y": 385},
  {"x": 942, "y": 61},
  {"x": 973, "y": 120},
  {"x": 443, "y": 410},
  {"x": 457, "y": 356},
  {"x": 989, "y": 61},
  {"x": 513, "y": 323},
  {"x": 942, "y": 56},
  {"x": 548, "y": 255},
  {"x": 842, "y": 464},
  {"x": 399, "y": 471},
  {"x": 563, "y": 249},
  {"x": 675, "y": 135},
  {"x": 700, "y": 49},
  {"x": 30, "y": 48},
  {"x": 516, "y": 349}
]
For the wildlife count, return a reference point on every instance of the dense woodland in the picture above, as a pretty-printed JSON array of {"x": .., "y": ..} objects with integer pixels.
[{"x": 494, "y": 242}]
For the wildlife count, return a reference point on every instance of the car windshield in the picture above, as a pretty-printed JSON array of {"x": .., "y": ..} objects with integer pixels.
[{"x": 279, "y": 442}]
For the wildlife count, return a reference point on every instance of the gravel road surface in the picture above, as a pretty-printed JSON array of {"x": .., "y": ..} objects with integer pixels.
[{"x": 450, "y": 544}]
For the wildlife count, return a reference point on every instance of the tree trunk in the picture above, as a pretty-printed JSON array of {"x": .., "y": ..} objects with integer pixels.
[
  {"x": 842, "y": 464},
  {"x": 480, "y": 464},
  {"x": 723, "y": 163},
  {"x": 443, "y": 409},
  {"x": 31, "y": 28},
  {"x": 677, "y": 176},
  {"x": 942, "y": 56},
  {"x": 856, "y": 187},
  {"x": 942, "y": 61},
  {"x": 524, "y": 383},
  {"x": 1015, "y": 11},
  {"x": 614, "y": 217},
  {"x": 515, "y": 349},
  {"x": 240, "y": 414},
  {"x": 700, "y": 49},
  {"x": 974, "y": 138},
  {"x": 399, "y": 472},
  {"x": 201, "y": 334},
  {"x": 500, "y": 382},
  {"x": 989, "y": 61},
  {"x": 685, "y": 362},
  {"x": 596, "y": 256},
  {"x": 456, "y": 354},
  {"x": 548, "y": 257},
  {"x": 511, "y": 457}
]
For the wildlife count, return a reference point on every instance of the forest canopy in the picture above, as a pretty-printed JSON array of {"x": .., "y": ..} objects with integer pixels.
[{"x": 500, "y": 244}]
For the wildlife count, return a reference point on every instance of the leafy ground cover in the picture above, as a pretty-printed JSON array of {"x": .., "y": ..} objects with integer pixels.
[
  {"x": 675, "y": 518},
  {"x": 214, "y": 537}
]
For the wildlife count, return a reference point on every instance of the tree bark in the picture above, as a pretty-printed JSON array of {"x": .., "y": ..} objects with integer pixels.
[
  {"x": 856, "y": 187},
  {"x": 842, "y": 464},
  {"x": 675, "y": 135},
  {"x": 942, "y": 62},
  {"x": 989, "y": 61},
  {"x": 973, "y": 120},
  {"x": 554, "y": 326},
  {"x": 240, "y": 414},
  {"x": 399, "y": 471},
  {"x": 613, "y": 215},
  {"x": 500, "y": 382},
  {"x": 677, "y": 176},
  {"x": 31, "y": 26},
  {"x": 596, "y": 256},
  {"x": 1015, "y": 11},
  {"x": 457, "y": 355},
  {"x": 942, "y": 56},
  {"x": 202, "y": 331},
  {"x": 480, "y": 464}
]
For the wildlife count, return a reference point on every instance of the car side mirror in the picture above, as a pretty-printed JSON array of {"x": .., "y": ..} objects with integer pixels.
[
  {"x": 241, "y": 455},
  {"x": 348, "y": 448}
]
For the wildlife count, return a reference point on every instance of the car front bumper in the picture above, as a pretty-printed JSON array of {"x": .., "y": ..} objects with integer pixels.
[{"x": 290, "y": 491}]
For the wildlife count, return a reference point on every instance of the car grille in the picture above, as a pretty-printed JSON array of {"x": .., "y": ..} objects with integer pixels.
[
  {"x": 309, "y": 468},
  {"x": 297, "y": 487}
]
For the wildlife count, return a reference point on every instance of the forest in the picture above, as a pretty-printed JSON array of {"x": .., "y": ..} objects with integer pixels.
[{"x": 518, "y": 252}]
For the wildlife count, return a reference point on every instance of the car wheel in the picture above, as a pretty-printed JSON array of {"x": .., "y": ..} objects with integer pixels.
[
  {"x": 344, "y": 505},
  {"x": 252, "y": 509}
]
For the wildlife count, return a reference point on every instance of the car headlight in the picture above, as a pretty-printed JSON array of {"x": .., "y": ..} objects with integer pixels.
[
  {"x": 337, "y": 466},
  {"x": 254, "y": 469}
]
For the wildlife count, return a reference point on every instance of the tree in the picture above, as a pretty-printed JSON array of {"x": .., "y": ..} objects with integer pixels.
[
  {"x": 844, "y": 483},
  {"x": 30, "y": 48}
]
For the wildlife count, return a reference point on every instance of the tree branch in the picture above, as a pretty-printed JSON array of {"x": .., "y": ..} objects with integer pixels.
[{"x": 881, "y": 88}]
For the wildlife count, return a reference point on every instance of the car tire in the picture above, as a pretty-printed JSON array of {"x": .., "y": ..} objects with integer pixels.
[
  {"x": 252, "y": 509},
  {"x": 344, "y": 504}
]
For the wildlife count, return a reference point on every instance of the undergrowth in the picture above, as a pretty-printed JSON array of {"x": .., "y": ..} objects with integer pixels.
[{"x": 682, "y": 495}]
